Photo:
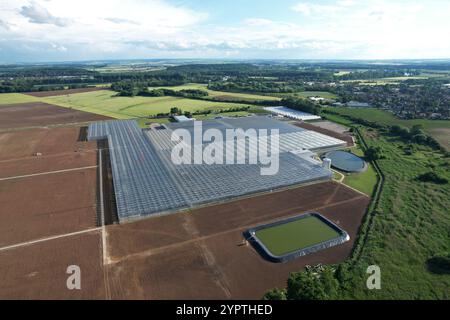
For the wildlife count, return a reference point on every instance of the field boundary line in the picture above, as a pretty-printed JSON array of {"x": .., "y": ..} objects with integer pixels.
[
  {"x": 32, "y": 242},
  {"x": 53, "y": 155},
  {"x": 103, "y": 227},
  {"x": 46, "y": 173},
  {"x": 56, "y": 125},
  {"x": 102, "y": 209}
]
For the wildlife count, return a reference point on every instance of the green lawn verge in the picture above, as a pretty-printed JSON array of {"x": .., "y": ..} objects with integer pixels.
[{"x": 362, "y": 181}]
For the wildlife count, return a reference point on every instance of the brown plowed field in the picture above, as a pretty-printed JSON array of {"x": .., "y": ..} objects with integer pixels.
[
  {"x": 53, "y": 93},
  {"x": 197, "y": 254},
  {"x": 34, "y": 208},
  {"x": 47, "y": 205},
  {"x": 48, "y": 141},
  {"x": 35, "y": 114},
  {"x": 36, "y": 165},
  {"x": 38, "y": 271},
  {"x": 190, "y": 255},
  {"x": 308, "y": 126}
]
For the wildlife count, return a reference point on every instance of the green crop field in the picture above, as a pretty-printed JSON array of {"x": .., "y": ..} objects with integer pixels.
[
  {"x": 107, "y": 103},
  {"x": 220, "y": 94},
  {"x": 295, "y": 235},
  {"x": 10, "y": 98}
]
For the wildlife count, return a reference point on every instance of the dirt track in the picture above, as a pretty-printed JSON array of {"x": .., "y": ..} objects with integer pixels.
[
  {"x": 34, "y": 114},
  {"x": 53, "y": 93}
]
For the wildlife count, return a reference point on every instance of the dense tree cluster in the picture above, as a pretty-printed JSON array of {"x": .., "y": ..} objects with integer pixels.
[
  {"x": 373, "y": 153},
  {"x": 415, "y": 135},
  {"x": 301, "y": 105},
  {"x": 439, "y": 264},
  {"x": 186, "y": 93},
  {"x": 433, "y": 177},
  {"x": 315, "y": 283},
  {"x": 257, "y": 87}
]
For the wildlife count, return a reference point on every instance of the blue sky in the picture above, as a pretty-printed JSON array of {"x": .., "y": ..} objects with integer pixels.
[{"x": 63, "y": 30}]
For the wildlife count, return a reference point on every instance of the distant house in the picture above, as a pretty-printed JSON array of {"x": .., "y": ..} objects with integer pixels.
[
  {"x": 352, "y": 104},
  {"x": 291, "y": 113},
  {"x": 357, "y": 104},
  {"x": 435, "y": 115},
  {"x": 316, "y": 99}
]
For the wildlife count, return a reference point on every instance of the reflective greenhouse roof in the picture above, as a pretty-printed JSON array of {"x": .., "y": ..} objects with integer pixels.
[{"x": 147, "y": 182}]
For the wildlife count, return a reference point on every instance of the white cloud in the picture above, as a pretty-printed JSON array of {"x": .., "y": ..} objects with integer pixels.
[
  {"x": 346, "y": 3},
  {"x": 120, "y": 20},
  {"x": 38, "y": 14},
  {"x": 87, "y": 29},
  {"x": 4, "y": 25},
  {"x": 319, "y": 9}
]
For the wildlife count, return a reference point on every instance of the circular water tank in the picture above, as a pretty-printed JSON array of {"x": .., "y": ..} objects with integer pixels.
[{"x": 346, "y": 161}]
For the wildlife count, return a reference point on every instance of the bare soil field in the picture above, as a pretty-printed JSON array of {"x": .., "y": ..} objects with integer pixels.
[
  {"x": 199, "y": 254},
  {"x": 38, "y": 271},
  {"x": 47, "y": 141},
  {"x": 48, "y": 220},
  {"x": 35, "y": 114},
  {"x": 342, "y": 136},
  {"x": 191, "y": 255},
  {"x": 332, "y": 126},
  {"x": 36, "y": 201},
  {"x": 43, "y": 164},
  {"x": 53, "y": 93},
  {"x": 47, "y": 205}
]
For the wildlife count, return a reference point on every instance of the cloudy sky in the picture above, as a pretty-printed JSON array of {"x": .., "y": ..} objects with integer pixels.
[{"x": 67, "y": 30}]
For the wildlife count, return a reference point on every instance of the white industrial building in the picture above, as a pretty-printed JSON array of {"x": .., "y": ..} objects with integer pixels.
[{"x": 292, "y": 114}]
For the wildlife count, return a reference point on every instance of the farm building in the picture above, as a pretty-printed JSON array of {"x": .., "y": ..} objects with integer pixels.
[{"x": 292, "y": 114}]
